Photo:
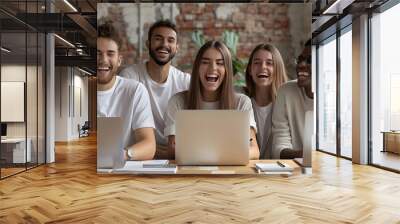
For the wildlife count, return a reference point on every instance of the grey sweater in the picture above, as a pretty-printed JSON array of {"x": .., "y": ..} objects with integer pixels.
[{"x": 288, "y": 117}]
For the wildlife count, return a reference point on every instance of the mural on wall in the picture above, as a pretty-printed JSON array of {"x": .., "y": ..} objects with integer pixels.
[
  {"x": 240, "y": 26},
  {"x": 287, "y": 26}
]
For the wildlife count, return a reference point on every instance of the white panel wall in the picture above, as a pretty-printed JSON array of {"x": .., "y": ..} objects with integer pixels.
[
  {"x": 71, "y": 102},
  {"x": 12, "y": 101},
  {"x": 14, "y": 73},
  {"x": 61, "y": 104}
]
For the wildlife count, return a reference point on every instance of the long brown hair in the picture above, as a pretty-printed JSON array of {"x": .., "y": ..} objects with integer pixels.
[
  {"x": 226, "y": 93},
  {"x": 278, "y": 78}
]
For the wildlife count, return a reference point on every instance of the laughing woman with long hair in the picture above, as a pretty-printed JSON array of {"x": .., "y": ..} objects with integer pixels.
[
  {"x": 265, "y": 73},
  {"x": 211, "y": 88}
]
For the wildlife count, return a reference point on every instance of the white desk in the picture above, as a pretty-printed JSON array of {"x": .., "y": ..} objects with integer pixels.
[
  {"x": 248, "y": 169},
  {"x": 17, "y": 146}
]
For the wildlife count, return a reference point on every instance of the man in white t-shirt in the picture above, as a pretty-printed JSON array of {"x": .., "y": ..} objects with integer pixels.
[
  {"x": 120, "y": 97},
  {"x": 294, "y": 98},
  {"x": 161, "y": 79}
]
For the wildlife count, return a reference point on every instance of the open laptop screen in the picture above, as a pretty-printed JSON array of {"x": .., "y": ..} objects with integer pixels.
[{"x": 212, "y": 137}]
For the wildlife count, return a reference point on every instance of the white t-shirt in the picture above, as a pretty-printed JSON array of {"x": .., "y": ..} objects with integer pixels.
[
  {"x": 129, "y": 100},
  {"x": 177, "y": 103},
  {"x": 159, "y": 94},
  {"x": 263, "y": 116}
]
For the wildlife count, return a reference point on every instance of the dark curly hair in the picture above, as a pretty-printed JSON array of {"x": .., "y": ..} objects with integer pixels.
[
  {"x": 162, "y": 23},
  {"x": 106, "y": 30}
]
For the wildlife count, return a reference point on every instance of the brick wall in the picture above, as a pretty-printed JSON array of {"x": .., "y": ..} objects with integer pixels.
[{"x": 256, "y": 23}]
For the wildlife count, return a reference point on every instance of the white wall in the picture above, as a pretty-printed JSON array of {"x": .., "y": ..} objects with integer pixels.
[
  {"x": 69, "y": 85},
  {"x": 79, "y": 117},
  {"x": 17, "y": 73},
  {"x": 33, "y": 126},
  {"x": 61, "y": 103},
  {"x": 14, "y": 73}
]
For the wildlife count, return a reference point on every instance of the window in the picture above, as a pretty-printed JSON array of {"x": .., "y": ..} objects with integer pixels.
[
  {"x": 385, "y": 88},
  {"x": 22, "y": 67},
  {"x": 327, "y": 95},
  {"x": 346, "y": 93}
]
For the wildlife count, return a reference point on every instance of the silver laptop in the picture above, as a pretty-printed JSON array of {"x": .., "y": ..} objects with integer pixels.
[
  {"x": 110, "y": 154},
  {"x": 212, "y": 137}
]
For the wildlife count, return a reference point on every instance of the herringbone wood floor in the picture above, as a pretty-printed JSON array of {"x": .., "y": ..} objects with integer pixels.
[{"x": 70, "y": 191}]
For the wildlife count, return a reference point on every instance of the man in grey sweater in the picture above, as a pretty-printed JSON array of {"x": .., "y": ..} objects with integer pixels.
[{"x": 294, "y": 98}]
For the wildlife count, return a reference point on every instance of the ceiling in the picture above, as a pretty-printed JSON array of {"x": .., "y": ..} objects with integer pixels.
[
  {"x": 73, "y": 20},
  {"x": 330, "y": 15},
  {"x": 76, "y": 22}
]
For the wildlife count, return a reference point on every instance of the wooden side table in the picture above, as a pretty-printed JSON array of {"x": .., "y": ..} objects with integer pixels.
[{"x": 391, "y": 141}]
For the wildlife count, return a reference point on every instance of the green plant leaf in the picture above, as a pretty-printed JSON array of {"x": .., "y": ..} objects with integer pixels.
[
  {"x": 231, "y": 40},
  {"x": 238, "y": 66},
  {"x": 198, "y": 38},
  {"x": 239, "y": 80}
]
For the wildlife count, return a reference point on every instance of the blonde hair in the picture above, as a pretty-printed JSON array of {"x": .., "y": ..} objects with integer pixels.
[
  {"x": 226, "y": 92},
  {"x": 279, "y": 76}
]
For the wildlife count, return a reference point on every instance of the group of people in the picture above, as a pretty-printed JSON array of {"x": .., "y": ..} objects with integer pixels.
[{"x": 147, "y": 96}]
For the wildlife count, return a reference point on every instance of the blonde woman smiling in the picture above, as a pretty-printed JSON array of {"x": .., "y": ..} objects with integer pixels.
[{"x": 265, "y": 73}]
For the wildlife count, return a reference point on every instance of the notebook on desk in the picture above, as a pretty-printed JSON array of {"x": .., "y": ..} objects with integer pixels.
[
  {"x": 147, "y": 167},
  {"x": 143, "y": 167},
  {"x": 271, "y": 167},
  {"x": 275, "y": 168}
]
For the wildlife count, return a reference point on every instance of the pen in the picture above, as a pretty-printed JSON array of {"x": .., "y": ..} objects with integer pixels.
[{"x": 280, "y": 164}]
